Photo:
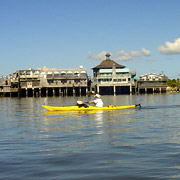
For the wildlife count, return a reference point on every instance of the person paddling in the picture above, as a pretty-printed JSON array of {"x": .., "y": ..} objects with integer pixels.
[{"x": 98, "y": 101}]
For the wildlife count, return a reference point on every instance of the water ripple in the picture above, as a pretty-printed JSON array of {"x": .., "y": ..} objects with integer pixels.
[{"x": 128, "y": 144}]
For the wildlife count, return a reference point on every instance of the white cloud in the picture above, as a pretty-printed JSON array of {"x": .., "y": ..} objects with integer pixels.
[
  {"x": 125, "y": 57},
  {"x": 170, "y": 48},
  {"x": 146, "y": 52},
  {"x": 99, "y": 56},
  {"x": 134, "y": 53},
  {"x": 121, "y": 55}
]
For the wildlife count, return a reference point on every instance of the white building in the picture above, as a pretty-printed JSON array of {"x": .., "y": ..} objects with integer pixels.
[{"x": 151, "y": 82}]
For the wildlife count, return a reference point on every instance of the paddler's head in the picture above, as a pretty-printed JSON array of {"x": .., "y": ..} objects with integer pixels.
[{"x": 97, "y": 96}]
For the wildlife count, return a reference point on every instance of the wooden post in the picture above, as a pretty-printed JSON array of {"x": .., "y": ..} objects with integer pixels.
[
  {"x": 60, "y": 93},
  {"x": 145, "y": 90},
  {"x": 97, "y": 89},
  {"x": 80, "y": 91},
  {"x": 114, "y": 90},
  {"x": 33, "y": 95},
  {"x": 66, "y": 90},
  {"x": 40, "y": 92},
  {"x": 74, "y": 93},
  {"x": 53, "y": 89},
  {"x": 86, "y": 91},
  {"x": 26, "y": 92},
  {"x": 46, "y": 92},
  {"x": 130, "y": 89}
]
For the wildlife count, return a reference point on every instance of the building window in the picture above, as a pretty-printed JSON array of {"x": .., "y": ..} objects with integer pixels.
[
  {"x": 63, "y": 81},
  {"x": 49, "y": 74},
  {"x": 76, "y": 73},
  {"x": 56, "y": 74},
  {"x": 63, "y": 73},
  {"x": 77, "y": 81},
  {"x": 69, "y": 74},
  {"x": 50, "y": 81},
  {"x": 83, "y": 74}
]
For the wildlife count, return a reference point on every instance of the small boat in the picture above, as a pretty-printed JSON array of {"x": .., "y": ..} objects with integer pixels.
[{"x": 88, "y": 108}]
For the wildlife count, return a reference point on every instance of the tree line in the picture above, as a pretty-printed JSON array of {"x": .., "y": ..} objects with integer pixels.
[{"x": 174, "y": 83}]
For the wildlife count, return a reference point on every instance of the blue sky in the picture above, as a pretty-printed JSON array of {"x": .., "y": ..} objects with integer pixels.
[{"x": 142, "y": 35}]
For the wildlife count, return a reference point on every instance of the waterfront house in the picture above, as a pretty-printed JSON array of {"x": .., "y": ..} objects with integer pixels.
[
  {"x": 111, "y": 78},
  {"x": 49, "y": 82},
  {"x": 5, "y": 86},
  {"x": 65, "y": 81},
  {"x": 152, "y": 83}
]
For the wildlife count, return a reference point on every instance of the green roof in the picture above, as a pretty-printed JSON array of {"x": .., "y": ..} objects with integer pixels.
[{"x": 117, "y": 70}]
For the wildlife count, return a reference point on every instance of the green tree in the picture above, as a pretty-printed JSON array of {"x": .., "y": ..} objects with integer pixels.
[
  {"x": 173, "y": 83},
  {"x": 169, "y": 83},
  {"x": 178, "y": 83}
]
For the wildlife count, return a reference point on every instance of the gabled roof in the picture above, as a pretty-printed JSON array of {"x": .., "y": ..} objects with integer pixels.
[{"x": 108, "y": 64}]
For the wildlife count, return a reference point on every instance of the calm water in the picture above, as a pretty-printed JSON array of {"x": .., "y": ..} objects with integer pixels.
[{"x": 125, "y": 144}]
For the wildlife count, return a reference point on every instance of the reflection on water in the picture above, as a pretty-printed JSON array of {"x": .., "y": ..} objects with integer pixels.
[{"x": 122, "y": 144}]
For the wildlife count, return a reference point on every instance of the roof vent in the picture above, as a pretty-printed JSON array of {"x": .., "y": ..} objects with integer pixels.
[{"x": 107, "y": 57}]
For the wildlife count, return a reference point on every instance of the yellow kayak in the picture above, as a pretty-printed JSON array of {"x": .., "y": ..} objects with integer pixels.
[{"x": 89, "y": 108}]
